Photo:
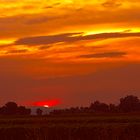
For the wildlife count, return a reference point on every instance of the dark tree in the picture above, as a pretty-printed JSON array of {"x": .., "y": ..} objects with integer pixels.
[
  {"x": 28, "y": 111},
  {"x": 10, "y": 108},
  {"x": 11, "y": 105},
  {"x": 39, "y": 112},
  {"x": 22, "y": 110},
  {"x": 99, "y": 107},
  {"x": 113, "y": 108},
  {"x": 129, "y": 104},
  {"x": 3, "y": 110}
]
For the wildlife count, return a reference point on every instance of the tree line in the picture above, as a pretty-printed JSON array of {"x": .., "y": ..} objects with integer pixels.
[
  {"x": 11, "y": 108},
  {"x": 127, "y": 104}
]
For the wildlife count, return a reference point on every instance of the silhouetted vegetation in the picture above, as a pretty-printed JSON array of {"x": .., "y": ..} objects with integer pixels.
[
  {"x": 11, "y": 108},
  {"x": 39, "y": 112},
  {"x": 100, "y": 122},
  {"x": 127, "y": 104}
]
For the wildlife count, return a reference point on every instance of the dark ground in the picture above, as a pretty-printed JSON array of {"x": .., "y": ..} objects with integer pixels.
[{"x": 71, "y": 127}]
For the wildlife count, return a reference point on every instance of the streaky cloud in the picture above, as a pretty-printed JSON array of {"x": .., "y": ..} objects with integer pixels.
[
  {"x": 104, "y": 55},
  {"x": 71, "y": 37}
]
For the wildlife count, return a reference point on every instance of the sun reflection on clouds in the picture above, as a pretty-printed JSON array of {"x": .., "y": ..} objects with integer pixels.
[
  {"x": 42, "y": 39},
  {"x": 73, "y": 35}
]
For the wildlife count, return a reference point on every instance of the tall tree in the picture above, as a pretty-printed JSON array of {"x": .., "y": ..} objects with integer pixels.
[{"x": 129, "y": 103}]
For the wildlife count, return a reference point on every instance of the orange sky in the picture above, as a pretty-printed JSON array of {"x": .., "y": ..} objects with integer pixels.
[{"x": 47, "y": 45}]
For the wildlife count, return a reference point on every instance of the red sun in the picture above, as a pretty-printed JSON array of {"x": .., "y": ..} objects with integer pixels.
[{"x": 48, "y": 103}]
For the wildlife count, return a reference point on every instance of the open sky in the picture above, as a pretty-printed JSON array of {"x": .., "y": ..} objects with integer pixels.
[{"x": 74, "y": 51}]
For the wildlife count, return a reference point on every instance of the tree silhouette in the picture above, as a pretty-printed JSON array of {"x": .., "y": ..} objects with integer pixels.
[
  {"x": 99, "y": 107},
  {"x": 39, "y": 112},
  {"x": 129, "y": 103},
  {"x": 22, "y": 110},
  {"x": 11, "y": 108},
  {"x": 113, "y": 108}
]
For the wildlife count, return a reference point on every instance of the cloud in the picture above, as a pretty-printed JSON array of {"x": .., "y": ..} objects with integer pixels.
[
  {"x": 40, "y": 20},
  {"x": 104, "y": 55},
  {"x": 37, "y": 20},
  {"x": 112, "y": 4},
  {"x": 68, "y": 19},
  {"x": 40, "y": 40},
  {"x": 17, "y": 51},
  {"x": 53, "y": 6},
  {"x": 45, "y": 47},
  {"x": 70, "y": 37}
]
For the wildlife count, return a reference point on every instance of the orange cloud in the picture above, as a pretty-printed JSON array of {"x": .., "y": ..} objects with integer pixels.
[{"x": 57, "y": 39}]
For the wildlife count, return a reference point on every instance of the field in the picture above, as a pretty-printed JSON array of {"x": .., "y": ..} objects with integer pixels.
[{"x": 103, "y": 127}]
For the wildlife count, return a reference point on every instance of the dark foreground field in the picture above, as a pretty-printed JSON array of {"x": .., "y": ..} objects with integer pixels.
[{"x": 71, "y": 128}]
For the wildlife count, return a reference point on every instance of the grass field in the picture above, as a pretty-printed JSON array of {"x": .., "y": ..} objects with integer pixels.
[{"x": 111, "y": 127}]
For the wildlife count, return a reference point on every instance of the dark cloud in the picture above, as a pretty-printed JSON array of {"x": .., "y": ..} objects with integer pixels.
[
  {"x": 112, "y": 3},
  {"x": 70, "y": 37},
  {"x": 52, "y": 6},
  {"x": 18, "y": 51},
  {"x": 45, "y": 47},
  {"x": 40, "y": 40},
  {"x": 48, "y": 7},
  {"x": 103, "y": 55},
  {"x": 56, "y": 4}
]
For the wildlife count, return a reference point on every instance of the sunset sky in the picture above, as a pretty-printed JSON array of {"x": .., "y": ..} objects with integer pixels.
[{"x": 74, "y": 51}]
